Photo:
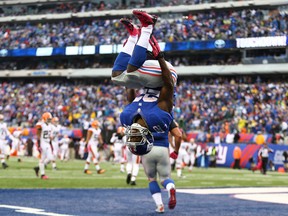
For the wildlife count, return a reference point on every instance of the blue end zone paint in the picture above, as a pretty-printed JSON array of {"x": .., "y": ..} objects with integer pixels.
[{"x": 127, "y": 202}]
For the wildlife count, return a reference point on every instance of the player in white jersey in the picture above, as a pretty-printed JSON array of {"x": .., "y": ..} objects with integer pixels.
[
  {"x": 94, "y": 138},
  {"x": 56, "y": 127},
  {"x": 192, "y": 153},
  {"x": 118, "y": 147},
  {"x": 183, "y": 158},
  {"x": 132, "y": 167},
  {"x": 4, "y": 132},
  {"x": 64, "y": 148},
  {"x": 16, "y": 143},
  {"x": 81, "y": 150},
  {"x": 44, "y": 130}
]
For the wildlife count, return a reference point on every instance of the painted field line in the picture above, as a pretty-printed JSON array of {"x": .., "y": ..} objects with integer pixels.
[{"x": 243, "y": 190}]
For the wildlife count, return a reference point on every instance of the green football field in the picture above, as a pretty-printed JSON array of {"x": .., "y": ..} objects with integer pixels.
[{"x": 70, "y": 175}]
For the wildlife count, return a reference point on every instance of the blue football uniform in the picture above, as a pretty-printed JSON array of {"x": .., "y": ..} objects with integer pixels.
[{"x": 158, "y": 120}]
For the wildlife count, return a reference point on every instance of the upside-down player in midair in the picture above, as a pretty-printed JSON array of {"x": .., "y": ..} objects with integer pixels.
[{"x": 147, "y": 117}]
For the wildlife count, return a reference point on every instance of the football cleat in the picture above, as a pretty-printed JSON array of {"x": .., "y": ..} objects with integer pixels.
[
  {"x": 101, "y": 171},
  {"x": 133, "y": 183},
  {"x": 87, "y": 172},
  {"x": 160, "y": 209},
  {"x": 4, "y": 165},
  {"x": 44, "y": 177},
  {"x": 131, "y": 28},
  {"x": 145, "y": 18},
  {"x": 172, "y": 198},
  {"x": 128, "y": 179},
  {"x": 36, "y": 169}
]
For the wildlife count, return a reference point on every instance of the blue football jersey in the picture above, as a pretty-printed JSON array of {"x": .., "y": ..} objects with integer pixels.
[{"x": 158, "y": 120}]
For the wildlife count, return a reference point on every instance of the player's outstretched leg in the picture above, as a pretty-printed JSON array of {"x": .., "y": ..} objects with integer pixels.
[{"x": 124, "y": 56}]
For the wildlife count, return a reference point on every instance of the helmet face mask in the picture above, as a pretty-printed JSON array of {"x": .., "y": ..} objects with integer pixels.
[{"x": 139, "y": 139}]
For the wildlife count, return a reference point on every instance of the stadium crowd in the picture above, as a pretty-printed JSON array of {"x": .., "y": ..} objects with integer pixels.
[
  {"x": 87, "y": 6},
  {"x": 205, "y": 25},
  {"x": 212, "y": 104}
]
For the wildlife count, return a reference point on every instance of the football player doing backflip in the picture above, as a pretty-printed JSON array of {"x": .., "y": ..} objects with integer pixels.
[{"x": 148, "y": 117}]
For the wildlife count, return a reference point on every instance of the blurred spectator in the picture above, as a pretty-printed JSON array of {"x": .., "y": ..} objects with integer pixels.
[
  {"x": 230, "y": 138},
  {"x": 260, "y": 139},
  {"x": 236, "y": 136},
  {"x": 237, "y": 153}
]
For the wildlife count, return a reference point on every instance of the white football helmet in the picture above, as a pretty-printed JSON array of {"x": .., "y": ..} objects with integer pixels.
[{"x": 146, "y": 139}]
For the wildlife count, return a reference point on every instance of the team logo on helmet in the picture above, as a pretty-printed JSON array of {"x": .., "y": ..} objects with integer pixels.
[{"x": 139, "y": 139}]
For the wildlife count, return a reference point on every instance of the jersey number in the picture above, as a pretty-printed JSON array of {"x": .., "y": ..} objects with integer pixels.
[{"x": 146, "y": 98}]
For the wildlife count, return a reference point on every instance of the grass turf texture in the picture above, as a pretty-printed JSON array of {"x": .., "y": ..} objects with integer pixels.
[{"x": 70, "y": 175}]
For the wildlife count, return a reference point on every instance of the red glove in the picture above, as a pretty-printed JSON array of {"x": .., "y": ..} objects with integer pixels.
[
  {"x": 156, "y": 51},
  {"x": 174, "y": 155}
]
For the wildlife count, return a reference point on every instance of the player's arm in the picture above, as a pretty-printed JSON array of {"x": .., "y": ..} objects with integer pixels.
[
  {"x": 100, "y": 138},
  {"x": 88, "y": 137},
  {"x": 165, "y": 100},
  {"x": 38, "y": 134},
  {"x": 170, "y": 140},
  {"x": 176, "y": 132}
]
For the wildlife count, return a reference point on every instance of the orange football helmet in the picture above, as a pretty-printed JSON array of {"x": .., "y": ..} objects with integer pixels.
[
  {"x": 55, "y": 120},
  {"x": 95, "y": 123},
  {"x": 47, "y": 117},
  {"x": 120, "y": 130}
]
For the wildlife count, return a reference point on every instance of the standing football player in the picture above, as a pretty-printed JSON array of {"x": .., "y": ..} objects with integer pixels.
[
  {"x": 64, "y": 148},
  {"x": 81, "y": 150},
  {"x": 132, "y": 167},
  {"x": 192, "y": 153},
  {"x": 94, "y": 138},
  {"x": 118, "y": 147},
  {"x": 44, "y": 145},
  {"x": 147, "y": 117},
  {"x": 4, "y": 132},
  {"x": 16, "y": 142}
]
